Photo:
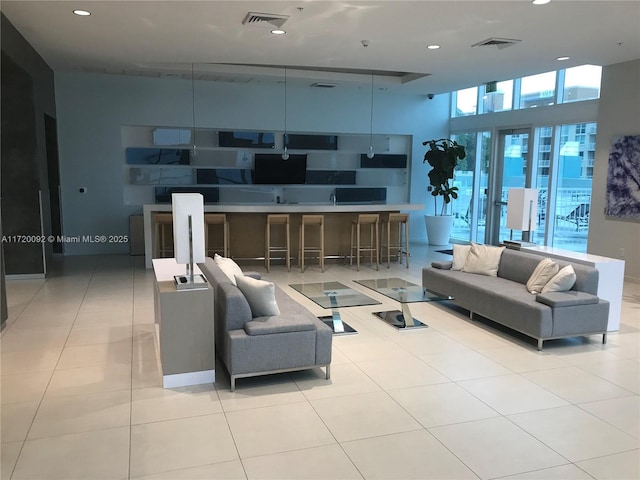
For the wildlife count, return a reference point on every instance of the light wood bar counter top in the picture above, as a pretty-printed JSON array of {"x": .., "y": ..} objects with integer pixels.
[{"x": 247, "y": 223}]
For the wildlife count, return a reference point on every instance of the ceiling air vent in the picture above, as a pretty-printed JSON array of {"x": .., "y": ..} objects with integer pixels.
[
  {"x": 324, "y": 85},
  {"x": 260, "y": 19},
  {"x": 497, "y": 42}
]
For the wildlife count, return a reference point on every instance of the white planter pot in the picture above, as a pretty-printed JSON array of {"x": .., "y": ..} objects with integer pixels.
[{"x": 438, "y": 228}]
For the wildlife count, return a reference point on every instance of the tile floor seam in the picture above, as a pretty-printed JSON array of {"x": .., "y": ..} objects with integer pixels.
[
  {"x": 528, "y": 380},
  {"x": 386, "y": 337},
  {"x": 337, "y": 442},
  {"x": 579, "y": 405},
  {"x": 33, "y": 419},
  {"x": 131, "y": 382},
  {"x": 8, "y": 327},
  {"x": 534, "y": 437},
  {"x": 610, "y": 381},
  {"x": 506, "y": 477}
]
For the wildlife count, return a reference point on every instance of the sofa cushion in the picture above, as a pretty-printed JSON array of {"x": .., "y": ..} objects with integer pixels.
[
  {"x": 460, "y": 253},
  {"x": 260, "y": 294},
  {"x": 562, "y": 281},
  {"x": 228, "y": 266},
  {"x": 544, "y": 272},
  {"x": 483, "y": 259},
  {"x": 278, "y": 324},
  {"x": 566, "y": 299}
]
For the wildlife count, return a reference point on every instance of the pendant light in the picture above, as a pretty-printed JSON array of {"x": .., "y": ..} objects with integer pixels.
[
  {"x": 370, "y": 153},
  {"x": 285, "y": 152},
  {"x": 193, "y": 109}
]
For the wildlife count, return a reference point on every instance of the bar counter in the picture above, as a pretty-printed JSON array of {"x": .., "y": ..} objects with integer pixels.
[{"x": 247, "y": 224}]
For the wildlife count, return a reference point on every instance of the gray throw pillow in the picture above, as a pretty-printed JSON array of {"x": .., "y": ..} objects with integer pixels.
[{"x": 260, "y": 294}]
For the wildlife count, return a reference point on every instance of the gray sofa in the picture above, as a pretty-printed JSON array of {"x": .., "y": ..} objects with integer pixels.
[
  {"x": 505, "y": 300},
  {"x": 293, "y": 340}
]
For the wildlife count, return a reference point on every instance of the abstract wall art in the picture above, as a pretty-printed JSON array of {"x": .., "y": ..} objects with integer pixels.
[{"x": 623, "y": 179}]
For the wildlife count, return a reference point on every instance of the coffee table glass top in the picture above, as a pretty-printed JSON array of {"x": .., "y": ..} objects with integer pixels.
[
  {"x": 401, "y": 290},
  {"x": 333, "y": 294}
]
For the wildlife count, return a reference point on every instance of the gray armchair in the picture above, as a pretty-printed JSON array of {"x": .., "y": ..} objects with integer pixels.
[{"x": 293, "y": 340}]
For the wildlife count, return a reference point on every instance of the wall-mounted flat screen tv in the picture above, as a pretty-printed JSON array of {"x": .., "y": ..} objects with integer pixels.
[
  {"x": 296, "y": 141},
  {"x": 246, "y": 139},
  {"x": 271, "y": 169}
]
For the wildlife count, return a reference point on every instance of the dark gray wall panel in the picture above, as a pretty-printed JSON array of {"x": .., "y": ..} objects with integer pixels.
[{"x": 20, "y": 174}]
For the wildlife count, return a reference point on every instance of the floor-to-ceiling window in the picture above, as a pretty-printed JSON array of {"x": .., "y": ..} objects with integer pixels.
[
  {"x": 556, "y": 158},
  {"x": 573, "y": 186},
  {"x": 471, "y": 178}
]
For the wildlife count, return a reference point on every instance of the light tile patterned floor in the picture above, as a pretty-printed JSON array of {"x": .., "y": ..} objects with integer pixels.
[{"x": 82, "y": 395}]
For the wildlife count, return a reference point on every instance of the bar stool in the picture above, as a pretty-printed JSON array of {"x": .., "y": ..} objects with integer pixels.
[
  {"x": 277, "y": 219},
  {"x": 363, "y": 219},
  {"x": 216, "y": 219},
  {"x": 162, "y": 235},
  {"x": 402, "y": 220},
  {"x": 313, "y": 220}
]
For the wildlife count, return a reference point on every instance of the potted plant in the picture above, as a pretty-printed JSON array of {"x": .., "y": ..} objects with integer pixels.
[{"x": 443, "y": 156}]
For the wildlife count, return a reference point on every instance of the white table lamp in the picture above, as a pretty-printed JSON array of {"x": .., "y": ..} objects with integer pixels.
[
  {"x": 522, "y": 209},
  {"x": 188, "y": 237}
]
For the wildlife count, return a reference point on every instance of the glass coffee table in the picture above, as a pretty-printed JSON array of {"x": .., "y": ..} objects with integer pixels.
[
  {"x": 334, "y": 295},
  {"x": 405, "y": 293}
]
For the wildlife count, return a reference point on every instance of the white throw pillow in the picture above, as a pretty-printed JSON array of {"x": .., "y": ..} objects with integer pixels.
[
  {"x": 260, "y": 294},
  {"x": 544, "y": 271},
  {"x": 483, "y": 259},
  {"x": 460, "y": 253},
  {"x": 562, "y": 281},
  {"x": 228, "y": 266}
]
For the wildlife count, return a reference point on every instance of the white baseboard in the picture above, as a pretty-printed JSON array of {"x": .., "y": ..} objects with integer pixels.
[{"x": 186, "y": 379}]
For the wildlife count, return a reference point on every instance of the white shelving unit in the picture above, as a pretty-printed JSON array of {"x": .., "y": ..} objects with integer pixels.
[{"x": 142, "y": 179}]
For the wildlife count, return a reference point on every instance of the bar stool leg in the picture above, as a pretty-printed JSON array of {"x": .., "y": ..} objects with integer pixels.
[
  {"x": 267, "y": 253},
  {"x": 301, "y": 249},
  {"x": 351, "y": 246},
  {"x": 388, "y": 244},
  {"x": 358, "y": 248},
  {"x": 377, "y": 246},
  {"x": 322, "y": 246},
  {"x": 288, "y": 248},
  {"x": 406, "y": 242}
]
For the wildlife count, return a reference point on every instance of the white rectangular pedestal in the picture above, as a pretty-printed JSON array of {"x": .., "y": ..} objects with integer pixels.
[{"x": 186, "y": 328}]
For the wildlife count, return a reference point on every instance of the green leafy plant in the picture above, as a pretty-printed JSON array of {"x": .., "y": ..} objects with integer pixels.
[{"x": 443, "y": 156}]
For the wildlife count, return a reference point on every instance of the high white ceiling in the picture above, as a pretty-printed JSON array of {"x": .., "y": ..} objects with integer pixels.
[{"x": 163, "y": 38}]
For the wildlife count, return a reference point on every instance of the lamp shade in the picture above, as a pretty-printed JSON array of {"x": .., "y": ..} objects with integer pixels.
[
  {"x": 185, "y": 205},
  {"x": 522, "y": 209}
]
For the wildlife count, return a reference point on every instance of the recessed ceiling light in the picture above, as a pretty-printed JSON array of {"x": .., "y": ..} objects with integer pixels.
[
  {"x": 82, "y": 13},
  {"x": 540, "y": 2},
  {"x": 433, "y": 47},
  {"x": 278, "y": 31},
  {"x": 562, "y": 59}
]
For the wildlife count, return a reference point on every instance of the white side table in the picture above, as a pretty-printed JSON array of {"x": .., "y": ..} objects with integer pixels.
[
  {"x": 186, "y": 328},
  {"x": 611, "y": 277}
]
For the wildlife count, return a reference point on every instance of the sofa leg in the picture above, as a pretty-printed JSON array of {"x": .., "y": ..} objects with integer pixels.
[
  {"x": 233, "y": 383},
  {"x": 328, "y": 372},
  {"x": 540, "y": 342},
  {"x": 604, "y": 338},
  {"x": 470, "y": 315}
]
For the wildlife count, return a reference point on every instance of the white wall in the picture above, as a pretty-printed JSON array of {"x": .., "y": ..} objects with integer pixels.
[
  {"x": 619, "y": 115},
  {"x": 93, "y": 108}
]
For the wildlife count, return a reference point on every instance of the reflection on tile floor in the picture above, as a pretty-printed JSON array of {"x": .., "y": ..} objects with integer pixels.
[{"x": 82, "y": 392}]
